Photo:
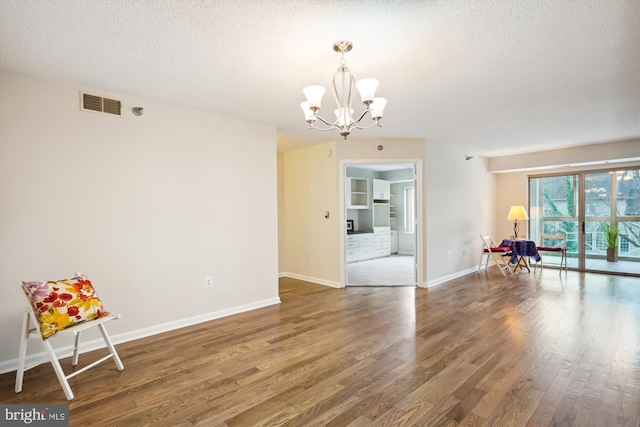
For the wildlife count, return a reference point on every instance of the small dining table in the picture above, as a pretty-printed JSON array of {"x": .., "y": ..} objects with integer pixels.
[{"x": 521, "y": 248}]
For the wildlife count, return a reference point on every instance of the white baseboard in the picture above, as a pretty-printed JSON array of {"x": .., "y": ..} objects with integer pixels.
[
  {"x": 39, "y": 358},
  {"x": 441, "y": 280},
  {"x": 311, "y": 279},
  {"x": 428, "y": 284}
]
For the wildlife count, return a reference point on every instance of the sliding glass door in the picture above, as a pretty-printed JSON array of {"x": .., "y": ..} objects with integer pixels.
[
  {"x": 588, "y": 207},
  {"x": 553, "y": 202},
  {"x": 611, "y": 201}
]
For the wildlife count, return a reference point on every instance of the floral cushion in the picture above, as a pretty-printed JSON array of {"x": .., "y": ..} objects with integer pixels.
[{"x": 64, "y": 303}]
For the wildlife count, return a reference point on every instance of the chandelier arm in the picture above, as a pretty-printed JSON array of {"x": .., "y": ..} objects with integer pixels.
[
  {"x": 351, "y": 125},
  {"x": 322, "y": 129},
  {"x": 336, "y": 127},
  {"x": 333, "y": 125},
  {"x": 354, "y": 124},
  {"x": 364, "y": 113}
]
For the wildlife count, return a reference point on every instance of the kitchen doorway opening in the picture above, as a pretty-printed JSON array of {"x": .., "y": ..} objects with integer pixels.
[{"x": 380, "y": 208}]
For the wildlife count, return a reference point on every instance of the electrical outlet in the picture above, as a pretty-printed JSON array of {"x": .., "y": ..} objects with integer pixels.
[{"x": 208, "y": 282}]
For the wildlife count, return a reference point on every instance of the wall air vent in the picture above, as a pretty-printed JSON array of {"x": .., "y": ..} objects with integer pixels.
[{"x": 100, "y": 104}]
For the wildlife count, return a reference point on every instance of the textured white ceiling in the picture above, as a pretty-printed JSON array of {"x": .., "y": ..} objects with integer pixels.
[{"x": 492, "y": 76}]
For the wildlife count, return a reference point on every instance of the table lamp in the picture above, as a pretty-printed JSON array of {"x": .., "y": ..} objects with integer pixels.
[{"x": 516, "y": 213}]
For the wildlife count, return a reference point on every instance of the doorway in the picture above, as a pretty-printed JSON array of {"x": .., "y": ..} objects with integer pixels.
[
  {"x": 380, "y": 209},
  {"x": 584, "y": 206}
]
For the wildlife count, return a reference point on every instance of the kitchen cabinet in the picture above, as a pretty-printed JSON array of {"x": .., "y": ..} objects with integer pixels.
[
  {"x": 359, "y": 247},
  {"x": 381, "y": 189},
  {"x": 356, "y": 193},
  {"x": 381, "y": 241}
]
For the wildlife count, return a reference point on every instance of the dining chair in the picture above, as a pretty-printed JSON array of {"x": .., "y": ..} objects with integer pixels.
[
  {"x": 491, "y": 250},
  {"x": 57, "y": 307},
  {"x": 553, "y": 243}
]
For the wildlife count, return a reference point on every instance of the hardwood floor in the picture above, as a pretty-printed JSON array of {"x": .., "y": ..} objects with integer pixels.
[{"x": 483, "y": 350}]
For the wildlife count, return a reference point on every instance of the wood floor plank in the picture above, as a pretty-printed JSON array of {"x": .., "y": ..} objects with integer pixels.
[
  {"x": 326, "y": 414},
  {"x": 408, "y": 416},
  {"x": 467, "y": 403},
  {"x": 516, "y": 409},
  {"x": 228, "y": 406},
  {"x": 482, "y": 350},
  {"x": 325, "y": 400}
]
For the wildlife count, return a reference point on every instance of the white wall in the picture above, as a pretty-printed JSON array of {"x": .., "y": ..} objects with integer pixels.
[
  {"x": 460, "y": 205},
  {"x": 512, "y": 190},
  {"x": 310, "y": 241},
  {"x": 146, "y": 206}
]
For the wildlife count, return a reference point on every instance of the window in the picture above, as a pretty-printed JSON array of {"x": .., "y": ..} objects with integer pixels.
[
  {"x": 553, "y": 209},
  {"x": 624, "y": 244},
  {"x": 558, "y": 204},
  {"x": 409, "y": 210}
]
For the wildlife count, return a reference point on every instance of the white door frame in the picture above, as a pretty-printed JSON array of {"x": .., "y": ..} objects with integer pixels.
[{"x": 419, "y": 233}]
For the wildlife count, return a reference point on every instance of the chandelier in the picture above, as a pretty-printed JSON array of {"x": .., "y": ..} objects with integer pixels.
[{"x": 343, "y": 83}]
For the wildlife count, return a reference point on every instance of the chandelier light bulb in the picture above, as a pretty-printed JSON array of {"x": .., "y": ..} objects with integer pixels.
[{"x": 344, "y": 116}]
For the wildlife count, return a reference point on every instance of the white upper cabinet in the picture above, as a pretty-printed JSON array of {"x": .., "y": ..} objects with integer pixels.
[
  {"x": 356, "y": 193},
  {"x": 381, "y": 189}
]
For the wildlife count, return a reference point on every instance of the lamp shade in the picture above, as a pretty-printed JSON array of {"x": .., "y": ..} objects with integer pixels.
[
  {"x": 367, "y": 88},
  {"x": 314, "y": 95},
  {"x": 378, "y": 107},
  {"x": 517, "y": 212},
  {"x": 308, "y": 114}
]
